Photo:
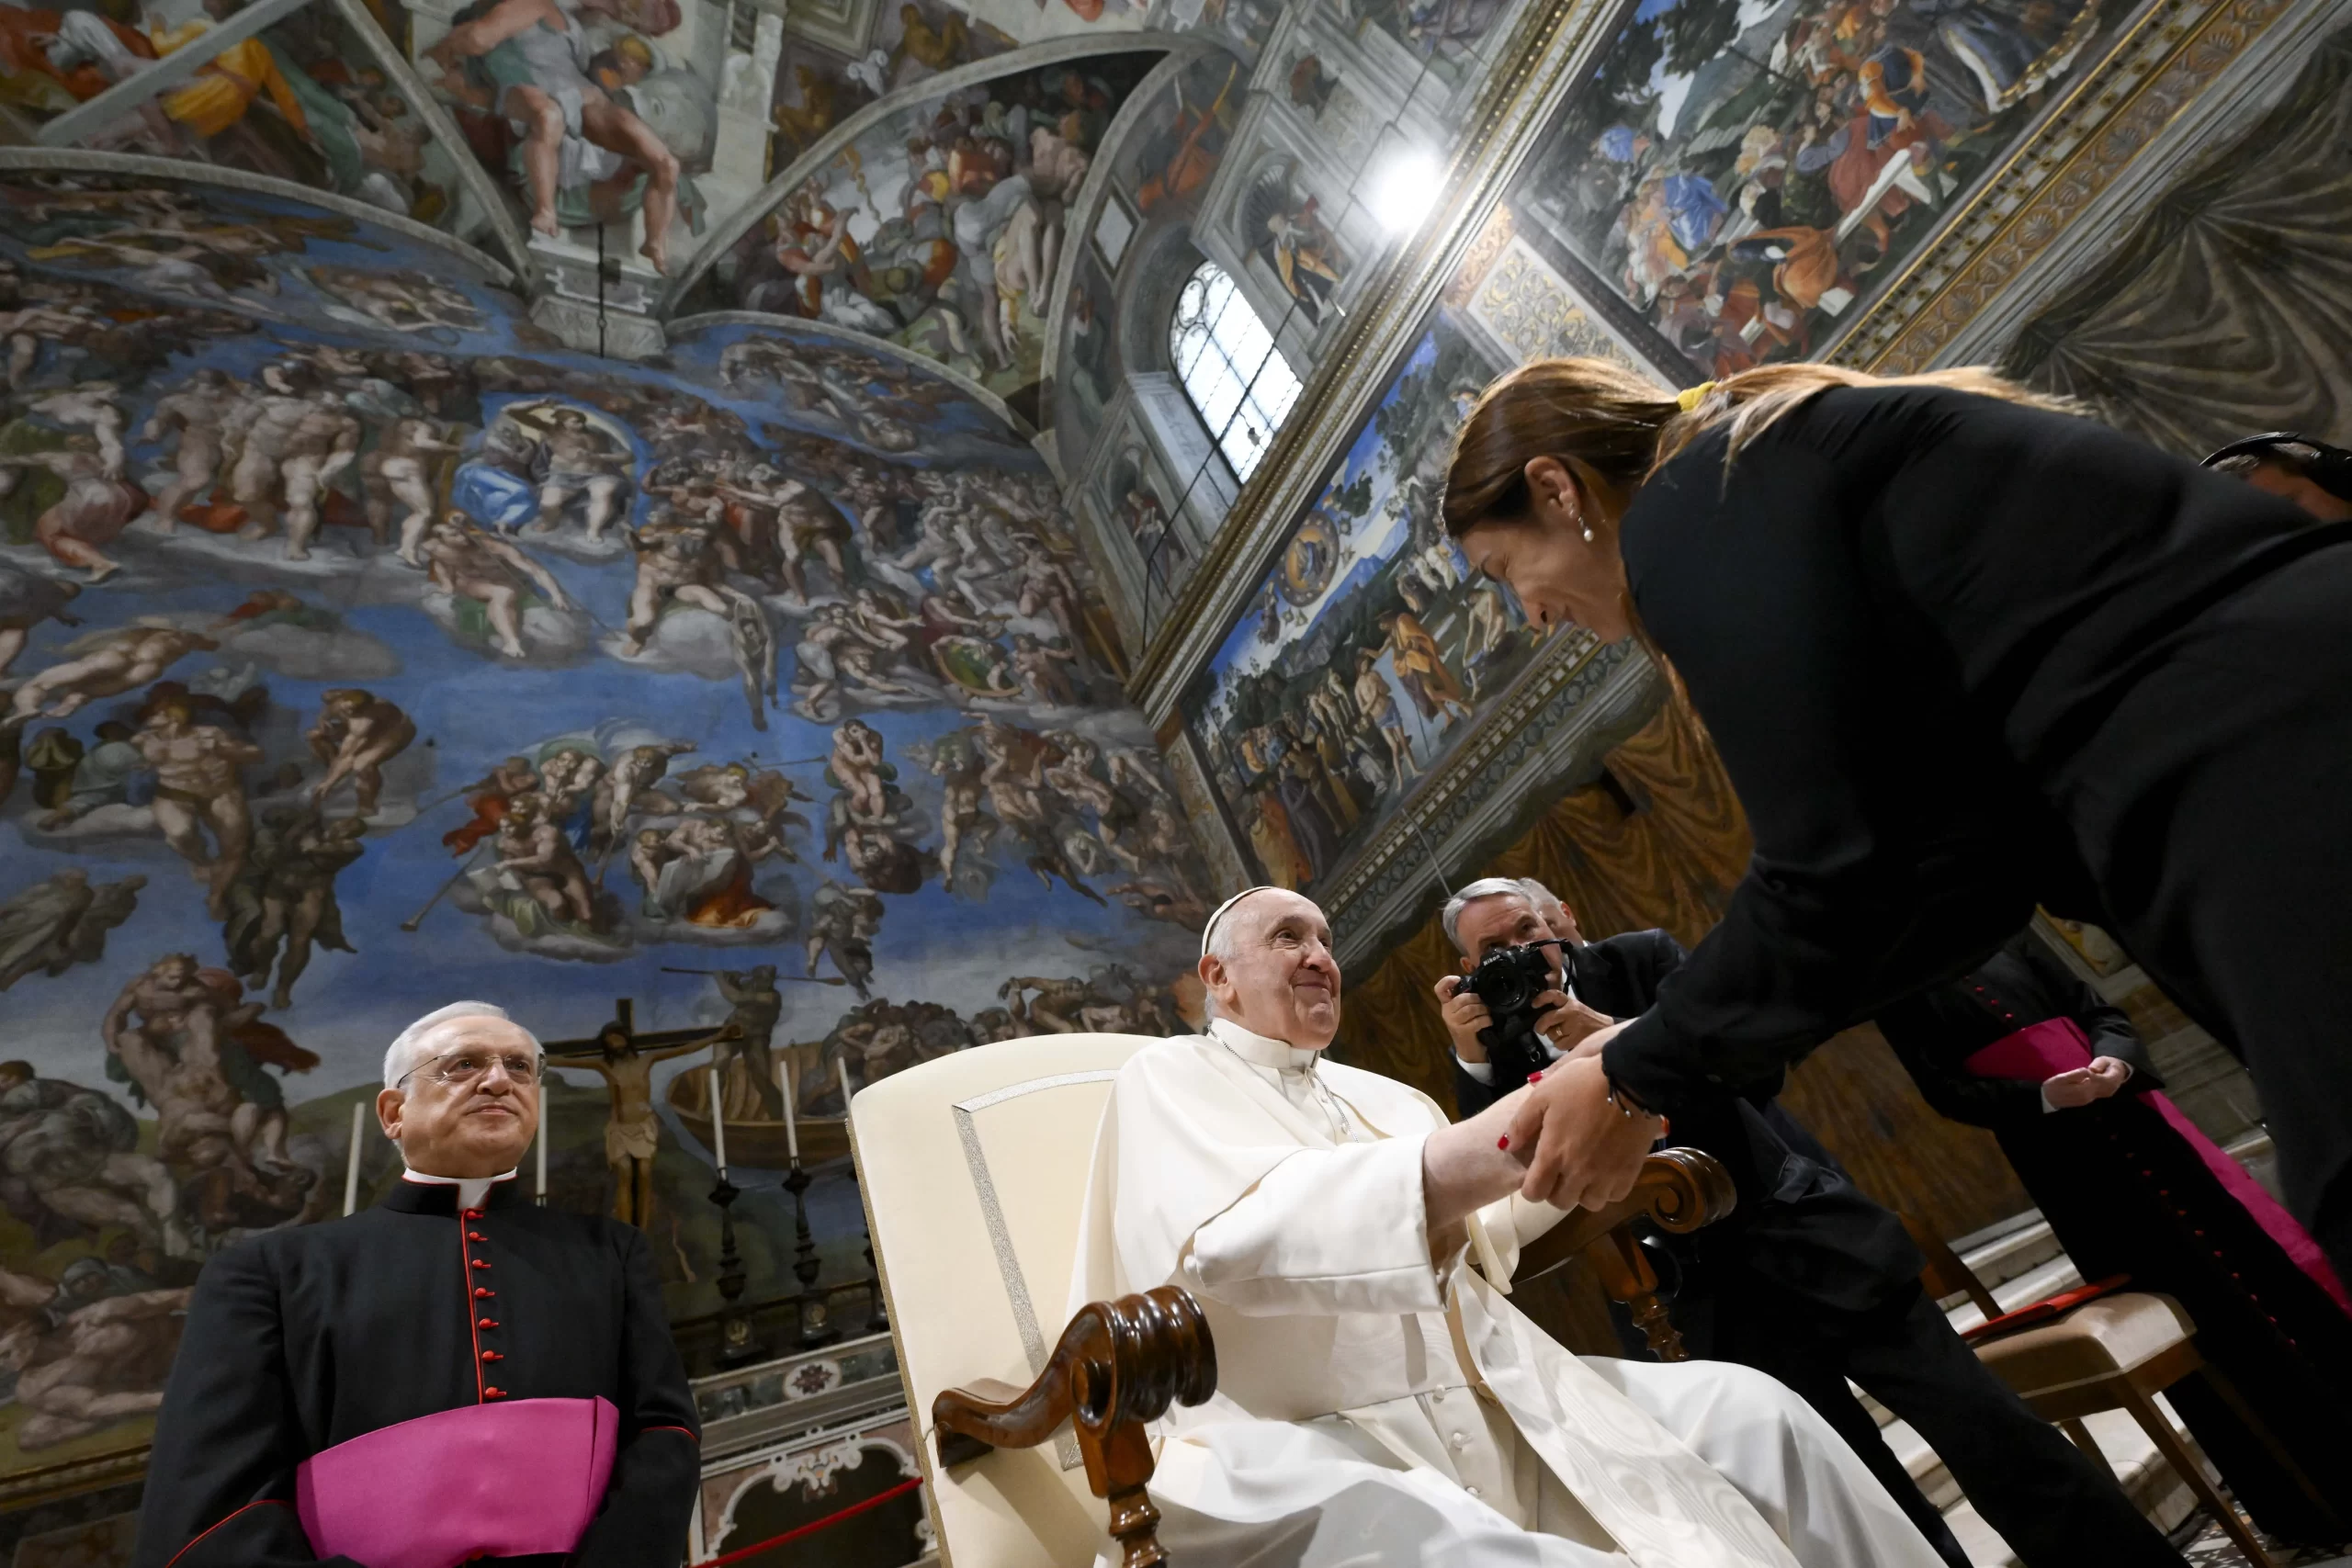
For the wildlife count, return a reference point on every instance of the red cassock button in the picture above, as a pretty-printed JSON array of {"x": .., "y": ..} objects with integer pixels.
[
  {"x": 493, "y": 1393},
  {"x": 486, "y": 1323},
  {"x": 476, "y": 1236},
  {"x": 481, "y": 1291},
  {"x": 476, "y": 1263},
  {"x": 492, "y": 1356},
  {"x": 473, "y": 1213}
]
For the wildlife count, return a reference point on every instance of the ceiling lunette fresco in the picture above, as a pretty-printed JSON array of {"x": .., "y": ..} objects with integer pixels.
[
  {"x": 822, "y": 151},
  {"x": 501, "y": 269},
  {"x": 1088, "y": 208},
  {"x": 129, "y": 96}
]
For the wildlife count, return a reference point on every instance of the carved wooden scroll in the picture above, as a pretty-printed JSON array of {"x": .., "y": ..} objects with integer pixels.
[
  {"x": 1678, "y": 1190},
  {"x": 1119, "y": 1366}
]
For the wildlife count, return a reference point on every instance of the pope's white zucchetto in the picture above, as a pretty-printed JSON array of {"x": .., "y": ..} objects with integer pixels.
[{"x": 1209, "y": 931}]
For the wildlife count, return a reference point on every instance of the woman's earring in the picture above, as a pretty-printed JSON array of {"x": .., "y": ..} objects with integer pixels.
[{"x": 1587, "y": 533}]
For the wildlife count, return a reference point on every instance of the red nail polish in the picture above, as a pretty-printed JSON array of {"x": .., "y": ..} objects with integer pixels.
[
  {"x": 1536, "y": 1076},
  {"x": 1503, "y": 1142}
]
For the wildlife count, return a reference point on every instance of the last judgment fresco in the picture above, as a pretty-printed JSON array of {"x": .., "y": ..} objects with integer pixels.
[{"x": 361, "y": 650}]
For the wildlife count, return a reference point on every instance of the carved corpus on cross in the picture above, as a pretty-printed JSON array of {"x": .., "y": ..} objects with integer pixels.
[{"x": 626, "y": 1059}]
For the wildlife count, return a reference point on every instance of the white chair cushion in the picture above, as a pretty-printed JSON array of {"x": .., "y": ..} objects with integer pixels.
[
  {"x": 2099, "y": 1339},
  {"x": 974, "y": 1172}
]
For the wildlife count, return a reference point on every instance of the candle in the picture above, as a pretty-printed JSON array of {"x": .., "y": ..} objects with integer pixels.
[
  {"x": 351, "y": 1167},
  {"x": 540, "y": 1191},
  {"x": 717, "y": 1123},
  {"x": 841, "y": 1062},
  {"x": 791, "y": 1120}
]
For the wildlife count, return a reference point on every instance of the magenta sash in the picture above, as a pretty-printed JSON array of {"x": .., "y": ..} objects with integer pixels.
[
  {"x": 2059, "y": 1046},
  {"x": 480, "y": 1481}
]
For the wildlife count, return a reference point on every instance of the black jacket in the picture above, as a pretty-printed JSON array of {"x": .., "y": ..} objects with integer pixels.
[
  {"x": 1906, "y": 614},
  {"x": 300, "y": 1339},
  {"x": 2023, "y": 984},
  {"x": 1802, "y": 1230}
]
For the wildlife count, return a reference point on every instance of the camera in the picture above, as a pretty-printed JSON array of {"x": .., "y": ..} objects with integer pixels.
[{"x": 1507, "y": 980}]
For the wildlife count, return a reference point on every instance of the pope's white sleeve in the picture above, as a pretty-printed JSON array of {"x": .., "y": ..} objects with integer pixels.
[{"x": 1326, "y": 1231}]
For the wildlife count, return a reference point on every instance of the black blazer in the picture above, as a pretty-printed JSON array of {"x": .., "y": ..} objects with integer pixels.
[
  {"x": 2023, "y": 984},
  {"x": 298, "y": 1340},
  {"x": 1801, "y": 1229},
  {"x": 1903, "y": 613}
]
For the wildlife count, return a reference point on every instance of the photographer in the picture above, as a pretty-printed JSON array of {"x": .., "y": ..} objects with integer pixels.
[
  {"x": 1807, "y": 1279},
  {"x": 1588, "y": 985}
]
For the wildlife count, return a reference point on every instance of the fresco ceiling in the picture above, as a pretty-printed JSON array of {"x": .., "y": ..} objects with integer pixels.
[{"x": 363, "y": 647}]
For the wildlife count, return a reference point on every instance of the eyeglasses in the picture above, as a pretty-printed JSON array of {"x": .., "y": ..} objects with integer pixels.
[{"x": 456, "y": 1068}]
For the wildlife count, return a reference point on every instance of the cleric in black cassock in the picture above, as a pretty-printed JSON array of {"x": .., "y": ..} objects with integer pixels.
[{"x": 456, "y": 1299}]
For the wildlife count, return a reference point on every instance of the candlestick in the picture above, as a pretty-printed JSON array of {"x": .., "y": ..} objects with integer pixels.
[
  {"x": 717, "y": 1123},
  {"x": 351, "y": 1167},
  {"x": 841, "y": 1063},
  {"x": 791, "y": 1120},
  {"x": 539, "y": 1193}
]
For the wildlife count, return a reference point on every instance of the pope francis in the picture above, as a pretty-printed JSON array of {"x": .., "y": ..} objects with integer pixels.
[{"x": 1379, "y": 1401}]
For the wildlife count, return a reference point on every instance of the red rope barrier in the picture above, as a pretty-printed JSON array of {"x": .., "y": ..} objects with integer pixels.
[{"x": 900, "y": 1490}]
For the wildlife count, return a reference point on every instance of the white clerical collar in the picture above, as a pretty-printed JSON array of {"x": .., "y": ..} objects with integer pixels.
[
  {"x": 472, "y": 1189},
  {"x": 1261, "y": 1051}
]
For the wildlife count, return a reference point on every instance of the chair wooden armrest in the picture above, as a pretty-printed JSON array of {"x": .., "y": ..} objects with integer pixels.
[
  {"x": 1118, "y": 1368},
  {"x": 1679, "y": 1190}
]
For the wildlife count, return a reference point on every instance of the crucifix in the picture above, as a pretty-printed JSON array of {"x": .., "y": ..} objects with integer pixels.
[{"x": 626, "y": 1059}]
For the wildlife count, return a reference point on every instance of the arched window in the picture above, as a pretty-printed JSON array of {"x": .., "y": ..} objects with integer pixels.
[{"x": 1229, "y": 366}]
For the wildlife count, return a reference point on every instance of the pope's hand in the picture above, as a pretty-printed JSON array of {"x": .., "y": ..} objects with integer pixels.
[{"x": 1586, "y": 1152}]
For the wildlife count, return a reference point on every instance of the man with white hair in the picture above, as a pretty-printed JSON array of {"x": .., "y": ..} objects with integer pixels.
[
  {"x": 1808, "y": 1280},
  {"x": 1592, "y": 984},
  {"x": 1379, "y": 1399},
  {"x": 329, "y": 1373}
]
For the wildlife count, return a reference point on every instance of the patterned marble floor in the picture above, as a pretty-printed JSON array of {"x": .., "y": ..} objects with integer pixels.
[{"x": 2211, "y": 1549}]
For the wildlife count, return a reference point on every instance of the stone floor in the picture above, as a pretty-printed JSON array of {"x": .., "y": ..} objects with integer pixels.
[{"x": 2211, "y": 1549}]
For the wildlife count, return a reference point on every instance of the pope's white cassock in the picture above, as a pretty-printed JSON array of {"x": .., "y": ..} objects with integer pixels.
[{"x": 1375, "y": 1408}]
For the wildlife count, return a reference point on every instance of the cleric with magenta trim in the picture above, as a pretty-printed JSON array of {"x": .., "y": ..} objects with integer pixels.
[{"x": 454, "y": 1374}]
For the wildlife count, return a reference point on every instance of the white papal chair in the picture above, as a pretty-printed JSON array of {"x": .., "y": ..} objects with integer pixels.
[{"x": 974, "y": 1169}]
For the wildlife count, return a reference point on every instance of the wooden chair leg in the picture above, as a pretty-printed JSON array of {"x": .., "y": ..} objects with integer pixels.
[
  {"x": 2186, "y": 1463},
  {"x": 2081, "y": 1437},
  {"x": 1629, "y": 1279}
]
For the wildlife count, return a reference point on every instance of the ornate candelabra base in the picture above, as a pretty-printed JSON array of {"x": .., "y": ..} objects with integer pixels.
[{"x": 738, "y": 1342}]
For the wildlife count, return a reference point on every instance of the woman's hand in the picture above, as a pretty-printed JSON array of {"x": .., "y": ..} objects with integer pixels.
[
  {"x": 2103, "y": 1077},
  {"x": 1587, "y": 1153}
]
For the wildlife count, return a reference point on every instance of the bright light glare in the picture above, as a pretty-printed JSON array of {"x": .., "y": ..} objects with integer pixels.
[{"x": 1405, "y": 191}]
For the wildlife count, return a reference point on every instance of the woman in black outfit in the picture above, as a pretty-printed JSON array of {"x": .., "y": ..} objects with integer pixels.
[
  {"x": 1961, "y": 651},
  {"x": 2022, "y": 1047}
]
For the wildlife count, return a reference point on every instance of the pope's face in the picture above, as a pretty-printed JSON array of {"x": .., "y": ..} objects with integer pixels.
[
  {"x": 450, "y": 1124},
  {"x": 1278, "y": 977}
]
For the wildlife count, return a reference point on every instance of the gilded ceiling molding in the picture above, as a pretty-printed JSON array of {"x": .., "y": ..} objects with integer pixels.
[
  {"x": 182, "y": 171},
  {"x": 883, "y": 347},
  {"x": 1052, "y": 51},
  {"x": 2171, "y": 54},
  {"x": 1519, "y": 93}
]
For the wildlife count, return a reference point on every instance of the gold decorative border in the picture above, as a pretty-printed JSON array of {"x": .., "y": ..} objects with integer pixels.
[
  {"x": 48, "y": 1482},
  {"x": 2171, "y": 54}
]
